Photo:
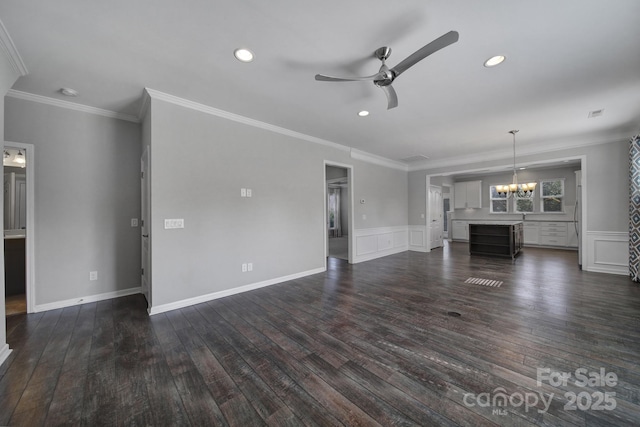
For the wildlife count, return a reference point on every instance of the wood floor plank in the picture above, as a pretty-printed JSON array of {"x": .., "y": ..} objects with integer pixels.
[{"x": 363, "y": 344}]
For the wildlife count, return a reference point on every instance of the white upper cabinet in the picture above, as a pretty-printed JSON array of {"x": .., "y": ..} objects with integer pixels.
[{"x": 467, "y": 194}]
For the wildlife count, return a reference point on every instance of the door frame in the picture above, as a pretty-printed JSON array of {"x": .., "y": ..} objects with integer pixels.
[
  {"x": 30, "y": 258},
  {"x": 350, "y": 214},
  {"x": 145, "y": 227}
]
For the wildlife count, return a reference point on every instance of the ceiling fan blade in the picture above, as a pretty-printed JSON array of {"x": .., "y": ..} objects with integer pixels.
[
  {"x": 392, "y": 97},
  {"x": 439, "y": 43},
  {"x": 323, "y": 78}
]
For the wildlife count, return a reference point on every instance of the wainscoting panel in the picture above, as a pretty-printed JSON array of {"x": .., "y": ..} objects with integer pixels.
[
  {"x": 608, "y": 252},
  {"x": 371, "y": 243},
  {"x": 418, "y": 238}
]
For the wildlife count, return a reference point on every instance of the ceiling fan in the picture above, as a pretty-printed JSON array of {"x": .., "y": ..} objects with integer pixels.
[{"x": 385, "y": 76}]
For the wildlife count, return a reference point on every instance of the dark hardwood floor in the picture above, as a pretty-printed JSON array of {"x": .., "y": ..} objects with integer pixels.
[{"x": 365, "y": 344}]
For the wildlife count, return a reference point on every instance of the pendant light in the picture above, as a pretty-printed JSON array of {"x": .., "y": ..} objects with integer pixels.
[
  {"x": 515, "y": 189},
  {"x": 19, "y": 158}
]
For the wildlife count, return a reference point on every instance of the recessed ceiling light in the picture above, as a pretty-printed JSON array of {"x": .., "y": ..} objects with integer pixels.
[
  {"x": 67, "y": 91},
  {"x": 494, "y": 60},
  {"x": 363, "y": 113},
  {"x": 243, "y": 55}
]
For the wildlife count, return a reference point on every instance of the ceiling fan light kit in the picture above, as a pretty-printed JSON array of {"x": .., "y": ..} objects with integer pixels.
[{"x": 385, "y": 76}]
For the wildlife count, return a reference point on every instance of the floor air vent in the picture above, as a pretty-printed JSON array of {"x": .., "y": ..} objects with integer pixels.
[{"x": 484, "y": 282}]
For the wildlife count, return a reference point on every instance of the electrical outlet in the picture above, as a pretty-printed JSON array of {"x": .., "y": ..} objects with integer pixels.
[
  {"x": 93, "y": 275},
  {"x": 250, "y": 266},
  {"x": 244, "y": 267},
  {"x": 134, "y": 222}
]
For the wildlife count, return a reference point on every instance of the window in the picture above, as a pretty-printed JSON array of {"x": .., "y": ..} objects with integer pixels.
[
  {"x": 524, "y": 204},
  {"x": 551, "y": 195},
  {"x": 501, "y": 204},
  {"x": 498, "y": 202}
]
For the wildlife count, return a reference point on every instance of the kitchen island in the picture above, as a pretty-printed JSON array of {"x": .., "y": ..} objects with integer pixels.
[{"x": 502, "y": 238}]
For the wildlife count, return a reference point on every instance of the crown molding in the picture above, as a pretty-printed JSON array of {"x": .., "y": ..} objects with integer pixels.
[
  {"x": 11, "y": 52},
  {"x": 71, "y": 105},
  {"x": 500, "y": 154},
  {"x": 355, "y": 154},
  {"x": 154, "y": 94},
  {"x": 378, "y": 160},
  {"x": 145, "y": 103}
]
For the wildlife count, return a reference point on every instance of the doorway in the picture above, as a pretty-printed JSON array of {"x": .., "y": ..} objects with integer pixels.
[
  {"x": 446, "y": 208},
  {"x": 18, "y": 228},
  {"x": 436, "y": 211},
  {"x": 338, "y": 209}
]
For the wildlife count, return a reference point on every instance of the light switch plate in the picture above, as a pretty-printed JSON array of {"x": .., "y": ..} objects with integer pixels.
[
  {"x": 243, "y": 192},
  {"x": 93, "y": 275},
  {"x": 249, "y": 192},
  {"x": 134, "y": 222},
  {"x": 173, "y": 223}
]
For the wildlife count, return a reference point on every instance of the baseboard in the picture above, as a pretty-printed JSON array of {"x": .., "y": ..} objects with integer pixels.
[
  {"x": 5, "y": 351},
  {"x": 84, "y": 300},
  {"x": 228, "y": 292}
]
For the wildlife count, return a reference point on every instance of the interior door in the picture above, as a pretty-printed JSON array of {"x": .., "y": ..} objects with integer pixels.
[
  {"x": 145, "y": 227},
  {"x": 436, "y": 209}
]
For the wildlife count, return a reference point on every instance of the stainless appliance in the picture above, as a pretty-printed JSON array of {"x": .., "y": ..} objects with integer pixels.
[{"x": 577, "y": 215}]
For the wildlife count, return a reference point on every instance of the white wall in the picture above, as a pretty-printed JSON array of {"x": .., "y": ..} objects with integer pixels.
[
  {"x": 200, "y": 162},
  {"x": 87, "y": 190}
]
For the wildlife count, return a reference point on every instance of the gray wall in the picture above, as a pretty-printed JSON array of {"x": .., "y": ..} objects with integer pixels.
[
  {"x": 87, "y": 189},
  {"x": 8, "y": 76},
  {"x": 200, "y": 162},
  {"x": 607, "y": 178}
]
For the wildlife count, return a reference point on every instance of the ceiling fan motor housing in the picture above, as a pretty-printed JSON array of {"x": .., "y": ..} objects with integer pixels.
[{"x": 385, "y": 76}]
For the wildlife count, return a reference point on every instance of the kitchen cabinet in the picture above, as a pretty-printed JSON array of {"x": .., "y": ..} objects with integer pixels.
[
  {"x": 467, "y": 194},
  {"x": 553, "y": 234},
  {"x": 459, "y": 230},
  {"x": 531, "y": 230},
  {"x": 572, "y": 235}
]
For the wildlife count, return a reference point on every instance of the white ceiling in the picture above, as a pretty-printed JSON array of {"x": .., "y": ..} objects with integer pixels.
[{"x": 564, "y": 59}]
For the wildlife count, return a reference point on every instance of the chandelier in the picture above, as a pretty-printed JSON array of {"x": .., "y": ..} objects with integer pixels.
[{"x": 515, "y": 189}]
